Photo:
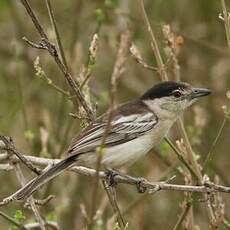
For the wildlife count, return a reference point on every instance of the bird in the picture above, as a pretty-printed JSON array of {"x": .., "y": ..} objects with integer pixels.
[{"x": 135, "y": 128}]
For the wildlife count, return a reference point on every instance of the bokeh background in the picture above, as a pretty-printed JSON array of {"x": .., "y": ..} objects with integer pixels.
[{"x": 37, "y": 117}]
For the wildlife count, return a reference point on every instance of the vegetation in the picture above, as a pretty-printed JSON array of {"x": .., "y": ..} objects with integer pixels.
[{"x": 88, "y": 56}]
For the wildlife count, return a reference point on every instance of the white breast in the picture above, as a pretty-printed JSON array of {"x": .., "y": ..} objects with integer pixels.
[{"x": 131, "y": 151}]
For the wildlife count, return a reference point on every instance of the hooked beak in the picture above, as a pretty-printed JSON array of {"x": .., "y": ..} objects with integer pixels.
[{"x": 199, "y": 92}]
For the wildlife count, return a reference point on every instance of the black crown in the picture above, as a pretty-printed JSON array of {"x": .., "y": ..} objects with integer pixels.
[{"x": 163, "y": 89}]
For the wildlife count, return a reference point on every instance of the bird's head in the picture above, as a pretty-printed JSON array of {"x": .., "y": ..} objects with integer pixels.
[{"x": 169, "y": 99}]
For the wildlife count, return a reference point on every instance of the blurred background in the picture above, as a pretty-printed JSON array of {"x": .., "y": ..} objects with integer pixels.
[{"x": 37, "y": 116}]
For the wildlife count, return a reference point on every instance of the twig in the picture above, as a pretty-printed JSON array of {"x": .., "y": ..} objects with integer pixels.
[
  {"x": 36, "y": 225},
  {"x": 47, "y": 45},
  {"x": 115, "y": 207},
  {"x": 10, "y": 147},
  {"x": 43, "y": 201},
  {"x": 180, "y": 157},
  {"x": 35, "y": 210},
  {"x": 50, "y": 224},
  {"x": 226, "y": 22},
  {"x": 138, "y": 58},
  {"x": 173, "y": 48},
  {"x": 195, "y": 166},
  {"x": 123, "y": 179},
  {"x": 91, "y": 60},
  {"x": 208, "y": 157},
  {"x": 12, "y": 221},
  {"x": 40, "y": 73},
  {"x": 155, "y": 48},
  {"x": 182, "y": 217},
  {"x": 117, "y": 72},
  {"x": 114, "y": 197},
  {"x": 190, "y": 153},
  {"x": 54, "y": 25},
  {"x": 22, "y": 181}
]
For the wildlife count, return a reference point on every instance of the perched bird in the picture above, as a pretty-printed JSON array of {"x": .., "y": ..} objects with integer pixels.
[{"x": 135, "y": 128}]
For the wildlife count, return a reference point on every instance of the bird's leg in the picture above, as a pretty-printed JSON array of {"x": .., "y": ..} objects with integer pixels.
[
  {"x": 110, "y": 174},
  {"x": 139, "y": 182}
]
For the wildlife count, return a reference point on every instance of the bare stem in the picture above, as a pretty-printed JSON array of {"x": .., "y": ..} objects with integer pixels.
[
  {"x": 117, "y": 72},
  {"x": 34, "y": 208},
  {"x": 12, "y": 221},
  {"x": 206, "y": 187},
  {"x": 47, "y": 45},
  {"x": 180, "y": 157},
  {"x": 190, "y": 153},
  {"x": 54, "y": 25},
  {"x": 182, "y": 217},
  {"x": 154, "y": 45},
  {"x": 114, "y": 204},
  {"x": 10, "y": 147},
  {"x": 208, "y": 157},
  {"x": 226, "y": 22}
]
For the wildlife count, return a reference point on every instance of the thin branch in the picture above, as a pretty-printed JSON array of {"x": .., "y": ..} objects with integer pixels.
[
  {"x": 47, "y": 45},
  {"x": 138, "y": 58},
  {"x": 31, "y": 200},
  {"x": 226, "y": 22},
  {"x": 182, "y": 217},
  {"x": 113, "y": 203},
  {"x": 50, "y": 224},
  {"x": 34, "y": 18},
  {"x": 40, "y": 73},
  {"x": 22, "y": 181},
  {"x": 180, "y": 157},
  {"x": 91, "y": 60},
  {"x": 43, "y": 201},
  {"x": 150, "y": 187},
  {"x": 35, "y": 225},
  {"x": 208, "y": 157},
  {"x": 12, "y": 221},
  {"x": 57, "y": 35},
  {"x": 114, "y": 197},
  {"x": 10, "y": 147},
  {"x": 126, "y": 179},
  {"x": 117, "y": 72},
  {"x": 154, "y": 45}
]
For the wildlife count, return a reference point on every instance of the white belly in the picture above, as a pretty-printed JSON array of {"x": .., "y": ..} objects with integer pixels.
[
  {"x": 128, "y": 153},
  {"x": 131, "y": 151}
]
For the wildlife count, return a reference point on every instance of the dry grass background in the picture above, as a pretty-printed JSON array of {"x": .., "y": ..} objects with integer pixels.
[{"x": 37, "y": 116}]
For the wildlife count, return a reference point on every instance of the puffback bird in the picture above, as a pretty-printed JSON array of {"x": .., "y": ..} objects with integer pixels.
[{"x": 135, "y": 128}]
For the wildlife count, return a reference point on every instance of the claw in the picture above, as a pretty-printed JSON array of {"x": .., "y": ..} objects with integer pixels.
[
  {"x": 140, "y": 186},
  {"x": 110, "y": 174}
]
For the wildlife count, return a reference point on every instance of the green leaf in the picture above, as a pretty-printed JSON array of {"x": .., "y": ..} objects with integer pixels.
[
  {"x": 29, "y": 135},
  {"x": 18, "y": 216},
  {"x": 100, "y": 16}
]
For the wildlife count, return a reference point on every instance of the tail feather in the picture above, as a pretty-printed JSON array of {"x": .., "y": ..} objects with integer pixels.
[{"x": 37, "y": 182}]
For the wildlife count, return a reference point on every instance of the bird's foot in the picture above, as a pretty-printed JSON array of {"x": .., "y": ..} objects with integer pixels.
[
  {"x": 110, "y": 176},
  {"x": 139, "y": 182},
  {"x": 141, "y": 188}
]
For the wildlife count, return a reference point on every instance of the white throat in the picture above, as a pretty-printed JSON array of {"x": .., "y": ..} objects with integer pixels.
[{"x": 158, "y": 107}]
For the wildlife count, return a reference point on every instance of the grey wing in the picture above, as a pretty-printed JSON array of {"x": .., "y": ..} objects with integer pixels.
[{"x": 122, "y": 129}]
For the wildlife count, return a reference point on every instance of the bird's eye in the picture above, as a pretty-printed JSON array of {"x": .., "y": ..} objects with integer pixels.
[{"x": 177, "y": 93}]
